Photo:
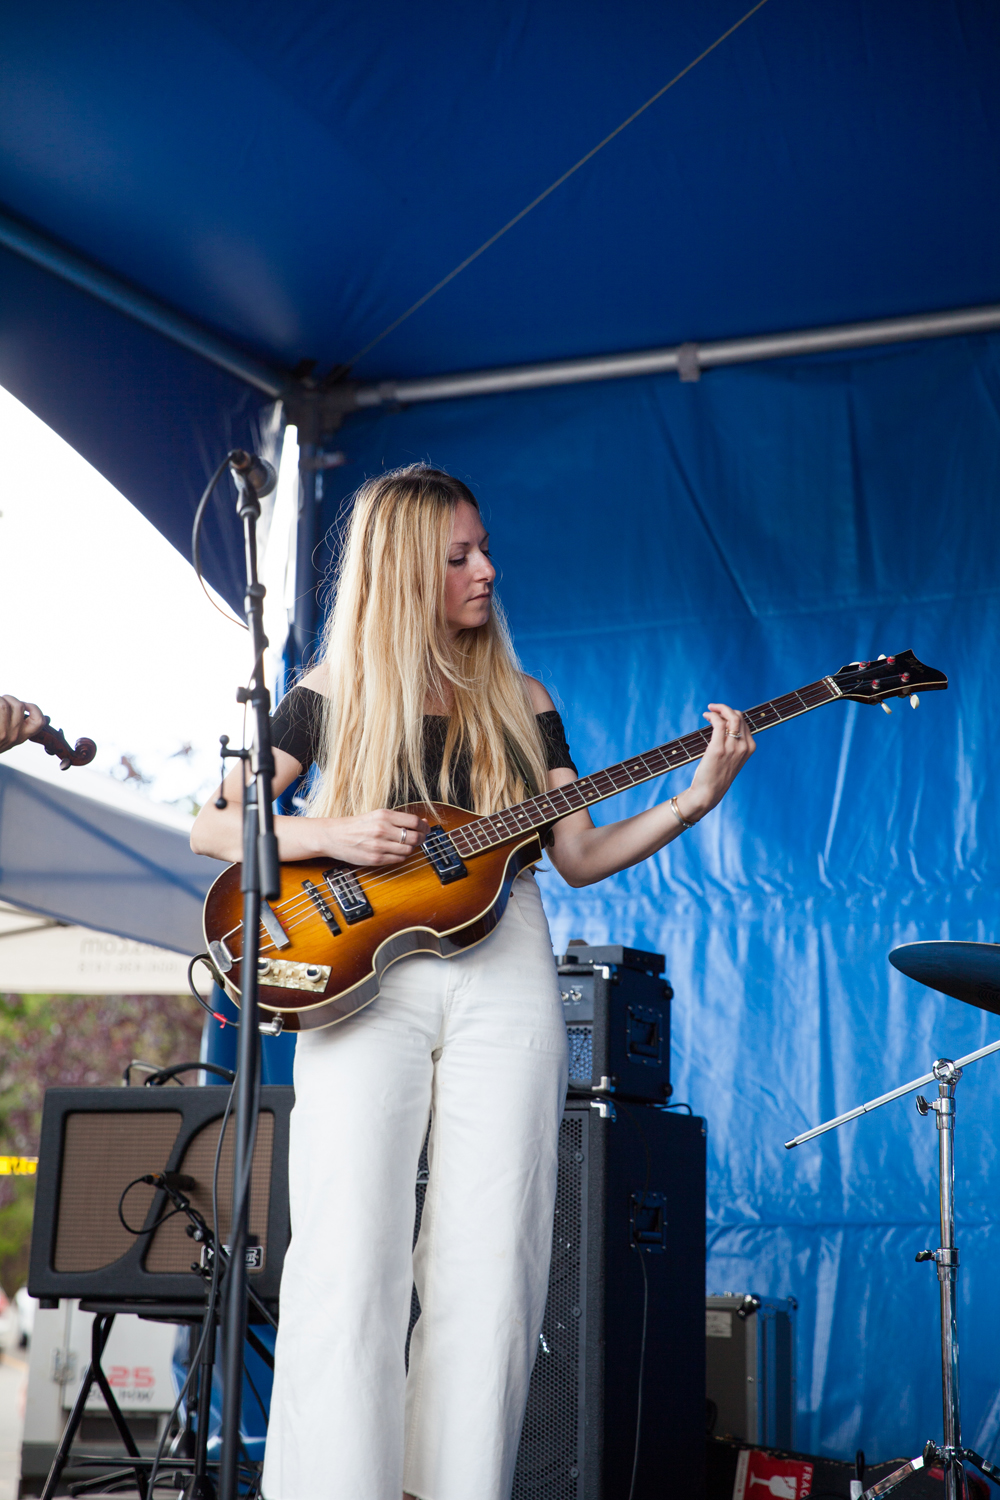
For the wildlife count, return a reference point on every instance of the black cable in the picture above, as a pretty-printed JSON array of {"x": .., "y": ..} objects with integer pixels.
[
  {"x": 642, "y": 1368},
  {"x": 199, "y": 516},
  {"x": 250, "y": 1383},
  {"x": 161, "y": 1220},
  {"x": 204, "y": 958},
  {"x": 164, "y": 1075},
  {"x": 210, "y": 1301},
  {"x": 645, "y": 1300}
]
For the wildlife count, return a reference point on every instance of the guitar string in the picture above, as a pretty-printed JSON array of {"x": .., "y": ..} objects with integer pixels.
[
  {"x": 700, "y": 737},
  {"x": 803, "y": 698},
  {"x": 307, "y": 904},
  {"x": 807, "y": 698},
  {"x": 432, "y": 842},
  {"x": 814, "y": 695}
]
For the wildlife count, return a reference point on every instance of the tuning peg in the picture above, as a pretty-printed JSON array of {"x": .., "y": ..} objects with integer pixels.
[
  {"x": 886, "y": 709},
  {"x": 914, "y": 701}
]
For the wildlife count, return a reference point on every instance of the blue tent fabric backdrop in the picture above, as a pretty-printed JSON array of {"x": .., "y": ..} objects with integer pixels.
[
  {"x": 295, "y": 178},
  {"x": 663, "y": 545}
]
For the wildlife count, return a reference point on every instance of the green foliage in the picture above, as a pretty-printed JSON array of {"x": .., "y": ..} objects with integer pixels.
[{"x": 47, "y": 1040}]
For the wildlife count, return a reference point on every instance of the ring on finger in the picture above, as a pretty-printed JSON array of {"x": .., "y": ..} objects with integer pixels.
[
  {"x": 734, "y": 734},
  {"x": 402, "y": 835}
]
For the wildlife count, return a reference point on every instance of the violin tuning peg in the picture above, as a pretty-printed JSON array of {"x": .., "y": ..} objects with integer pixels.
[
  {"x": 886, "y": 709},
  {"x": 914, "y": 701}
]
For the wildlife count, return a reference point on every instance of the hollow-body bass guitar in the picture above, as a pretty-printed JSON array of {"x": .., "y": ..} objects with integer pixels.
[{"x": 335, "y": 929}]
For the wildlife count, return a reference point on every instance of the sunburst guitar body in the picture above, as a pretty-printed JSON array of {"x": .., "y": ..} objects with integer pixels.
[{"x": 334, "y": 929}]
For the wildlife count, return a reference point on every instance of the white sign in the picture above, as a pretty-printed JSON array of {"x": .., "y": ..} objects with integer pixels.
[
  {"x": 137, "y": 1362},
  {"x": 39, "y": 956},
  {"x": 718, "y": 1323}
]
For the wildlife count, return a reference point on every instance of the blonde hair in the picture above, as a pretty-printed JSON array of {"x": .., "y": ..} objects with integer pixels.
[{"x": 386, "y": 649}]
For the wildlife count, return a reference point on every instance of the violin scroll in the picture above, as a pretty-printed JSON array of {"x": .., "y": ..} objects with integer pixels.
[{"x": 55, "y": 743}]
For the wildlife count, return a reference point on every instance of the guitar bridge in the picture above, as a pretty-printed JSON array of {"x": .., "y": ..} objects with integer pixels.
[
  {"x": 315, "y": 895},
  {"x": 443, "y": 856},
  {"x": 348, "y": 895}
]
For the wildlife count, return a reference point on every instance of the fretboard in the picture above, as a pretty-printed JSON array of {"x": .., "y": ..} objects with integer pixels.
[{"x": 549, "y": 807}]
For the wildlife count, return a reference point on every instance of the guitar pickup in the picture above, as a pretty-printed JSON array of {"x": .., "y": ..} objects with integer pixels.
[
  {"x": 279, "y": 937},
  {"x": 315, "y": 895},
  {"x": 348, "y": 895},
  {"x": 443, "y": 856}
]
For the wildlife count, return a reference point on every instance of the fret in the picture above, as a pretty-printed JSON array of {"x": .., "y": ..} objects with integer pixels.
[{"x": 547, "y": 807}]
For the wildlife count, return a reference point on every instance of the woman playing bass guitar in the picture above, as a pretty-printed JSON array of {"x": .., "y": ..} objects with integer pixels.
[{"x": 418, "y": 697}]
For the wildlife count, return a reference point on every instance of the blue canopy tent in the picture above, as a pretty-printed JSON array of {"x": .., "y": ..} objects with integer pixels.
[
  {"x": 203, "y": 200},
  {"x": 65, "y": 854}
]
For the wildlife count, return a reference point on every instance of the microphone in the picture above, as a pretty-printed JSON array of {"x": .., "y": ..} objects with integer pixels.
[
  {"x": 254, "y": 471},
  {"x": 176, "y": 1181}
]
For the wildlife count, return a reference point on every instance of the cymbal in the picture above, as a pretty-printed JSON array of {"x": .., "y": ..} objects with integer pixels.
[{"x": 967, "y": 971}]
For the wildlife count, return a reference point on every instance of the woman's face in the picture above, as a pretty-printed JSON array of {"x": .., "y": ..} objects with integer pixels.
[{"x": 469, "y": 582}]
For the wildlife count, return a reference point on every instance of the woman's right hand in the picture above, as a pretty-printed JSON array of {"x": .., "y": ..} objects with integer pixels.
[
  {"x": 18, "y": 721},
  {"x": 381, "y": 838}
]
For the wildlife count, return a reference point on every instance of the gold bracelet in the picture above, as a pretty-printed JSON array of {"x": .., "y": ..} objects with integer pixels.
[{"x": 678, "y": 814}]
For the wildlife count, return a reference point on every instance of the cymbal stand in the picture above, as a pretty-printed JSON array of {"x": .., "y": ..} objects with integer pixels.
[{"x": 950, "y": 1456}]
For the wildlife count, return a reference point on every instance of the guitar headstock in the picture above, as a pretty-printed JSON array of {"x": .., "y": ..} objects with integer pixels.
[{"x": 888, "y": 677}]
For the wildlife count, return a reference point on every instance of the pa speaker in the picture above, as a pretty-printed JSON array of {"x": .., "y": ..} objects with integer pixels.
[
  {"x": 630, "y": 1198},
  {"x": 95, "y": 1141}
]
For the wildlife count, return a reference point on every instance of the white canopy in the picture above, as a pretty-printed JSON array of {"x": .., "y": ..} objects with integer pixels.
[
  {"x": 83, "y": 851},
  {"x": 49, "y": 957}
]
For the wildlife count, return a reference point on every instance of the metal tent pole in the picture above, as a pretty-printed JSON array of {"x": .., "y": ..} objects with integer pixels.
[
  {"x": 688, "y": 360},
  {"x": 115, "y": 292}
]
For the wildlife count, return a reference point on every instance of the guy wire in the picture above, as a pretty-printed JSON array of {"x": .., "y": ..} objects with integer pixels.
[{"x": 551, "y": 188}]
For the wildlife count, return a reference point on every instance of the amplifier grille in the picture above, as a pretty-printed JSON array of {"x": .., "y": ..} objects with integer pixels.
[
  {"x": 101, "y": 1153},
  {"x": 549, "y": 1461},
  {"x": 581, "y": 1051}
]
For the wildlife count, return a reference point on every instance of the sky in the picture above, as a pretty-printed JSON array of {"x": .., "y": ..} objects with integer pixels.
[{"x": 104, "y": 625}]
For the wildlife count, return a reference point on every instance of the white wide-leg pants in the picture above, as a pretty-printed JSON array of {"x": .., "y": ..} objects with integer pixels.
[{"x": 480, "y": 1041}]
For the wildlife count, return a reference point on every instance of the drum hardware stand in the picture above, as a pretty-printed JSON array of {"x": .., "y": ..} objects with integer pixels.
[{"x": 950, "y": 1456}]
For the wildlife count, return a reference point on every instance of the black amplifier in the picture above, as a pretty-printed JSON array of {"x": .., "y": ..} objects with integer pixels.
[
  {"x": 617, "y": 1007},
  {"x": 95, "y": 1141}
]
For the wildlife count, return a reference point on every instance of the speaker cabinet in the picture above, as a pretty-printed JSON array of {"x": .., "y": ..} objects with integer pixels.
[
  {"x": 630, "y": 1187},
  {"x": 750, "y": 1360},
  {"x": 96, "y": 1141}
]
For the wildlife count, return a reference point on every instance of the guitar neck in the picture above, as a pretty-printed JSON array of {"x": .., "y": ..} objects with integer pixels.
[{"x": 549, "y": 807}]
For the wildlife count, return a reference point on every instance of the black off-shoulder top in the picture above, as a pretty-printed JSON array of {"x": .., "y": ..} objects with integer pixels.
[{"x": 297, "y": 728}]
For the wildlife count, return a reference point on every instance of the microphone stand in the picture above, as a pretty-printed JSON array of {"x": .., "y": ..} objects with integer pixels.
[{"x": 261, "y": 881}]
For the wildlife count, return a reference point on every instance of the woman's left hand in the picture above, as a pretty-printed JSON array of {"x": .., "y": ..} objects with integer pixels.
[{"x": 729, "y": 749}]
